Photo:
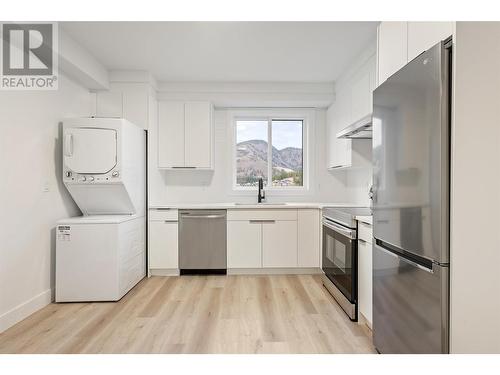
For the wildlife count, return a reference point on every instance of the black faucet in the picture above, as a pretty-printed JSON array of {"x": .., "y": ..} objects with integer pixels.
[{"x": 261, "y": 195}]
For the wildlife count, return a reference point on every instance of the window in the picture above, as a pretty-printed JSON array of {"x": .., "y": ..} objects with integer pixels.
[{"x": 271, "y": 149}]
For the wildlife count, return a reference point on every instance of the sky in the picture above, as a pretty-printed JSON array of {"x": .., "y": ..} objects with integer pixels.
[{"x": 285, "y": 133}]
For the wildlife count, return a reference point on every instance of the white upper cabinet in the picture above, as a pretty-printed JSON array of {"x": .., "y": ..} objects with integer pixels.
[
  {"x": 129, "y": 104},
  {"x": 423, "y": 35},
  {"x": 392, "y": 48},
  {"x": 198, "y": 134},
  {"x": 400, "y": 42},
  {"x": 170, "y": 134},
  {"x": 338, "y": 149},
  {"x": 353, "y": 101},
  {"x": 362, "y": 86},
  {"x": 185, "y": 135},
  {"x": 109, "y": 104}
]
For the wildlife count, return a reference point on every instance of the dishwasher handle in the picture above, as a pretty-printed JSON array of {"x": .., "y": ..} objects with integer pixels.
[{"x": 188, "y": 216}]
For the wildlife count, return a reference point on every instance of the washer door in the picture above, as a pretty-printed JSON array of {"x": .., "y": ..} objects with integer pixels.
[{"x": 90, "y": 150}]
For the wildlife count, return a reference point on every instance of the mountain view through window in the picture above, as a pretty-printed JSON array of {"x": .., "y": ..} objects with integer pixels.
[{"x": 282, "y": 139}]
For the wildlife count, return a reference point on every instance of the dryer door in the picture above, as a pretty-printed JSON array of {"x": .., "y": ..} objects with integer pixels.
[{"x": 90, "y": 150}]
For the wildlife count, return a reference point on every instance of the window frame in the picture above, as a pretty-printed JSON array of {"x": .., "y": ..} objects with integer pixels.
[{"x": 304, "y": 115}]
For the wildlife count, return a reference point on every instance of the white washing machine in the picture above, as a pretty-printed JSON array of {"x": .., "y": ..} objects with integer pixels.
[{"x": 99, "y": 258}]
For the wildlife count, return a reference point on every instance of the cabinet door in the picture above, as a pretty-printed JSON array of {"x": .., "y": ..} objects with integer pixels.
[
  {"x": 198, "y": 142},
  {"x": 361, "y": 95},
  {"x": 392, "y": 48},
  {"x": 279, "y": 244},
  {"x": 365, "y": 279},
  {"x": 331, "y": 120},
  {"x": 308, "y": 238},
  {"x": 423, "y": 35},
  {"x": 136, "y": 107},
  {"x": 109, "y": 104},
  {"x": 170, "y": 134},
  {"x": 163, "y": 245},
  {"x": 339, "y": 150},
  {"x": 244, "y": 244}
]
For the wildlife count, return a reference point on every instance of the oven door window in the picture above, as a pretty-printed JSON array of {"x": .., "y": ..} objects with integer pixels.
[{"x": 339, "y": 262}]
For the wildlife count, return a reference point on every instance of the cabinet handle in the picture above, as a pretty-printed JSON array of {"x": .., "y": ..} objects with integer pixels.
[
  {"x": 336, "y": 166},
  {"x": 361, "y": 240},
  {"x": 262, "y": 221}
]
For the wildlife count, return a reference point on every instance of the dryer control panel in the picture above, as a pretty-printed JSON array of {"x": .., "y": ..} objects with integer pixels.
[{"x": 87, "y": 178}]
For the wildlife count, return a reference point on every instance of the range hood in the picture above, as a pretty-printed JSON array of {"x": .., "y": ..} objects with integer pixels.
[{"x": 361, "y": 129}]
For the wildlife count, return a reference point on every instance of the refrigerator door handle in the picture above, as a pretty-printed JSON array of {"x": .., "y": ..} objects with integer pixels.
[{"x": 406, "y": 260}]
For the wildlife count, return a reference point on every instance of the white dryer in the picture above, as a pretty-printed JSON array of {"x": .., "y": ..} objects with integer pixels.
[
  {"x": 104, "y": 165},
  {"x": 99, "y": 258}
]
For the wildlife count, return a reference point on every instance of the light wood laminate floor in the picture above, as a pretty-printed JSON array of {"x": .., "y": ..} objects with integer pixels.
[{"x": 197, "y": 314}]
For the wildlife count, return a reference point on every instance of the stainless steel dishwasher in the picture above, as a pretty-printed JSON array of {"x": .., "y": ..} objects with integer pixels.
[{"x": 202, "y": 241}]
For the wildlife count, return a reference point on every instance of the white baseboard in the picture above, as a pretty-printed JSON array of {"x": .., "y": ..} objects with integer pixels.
[
  {"x": 274, "y": 271},
  {"x": 247, "y": 271},
  {"x": 363, "y": 320},
  {"x": 25, "y": 309},
  {"x": 164, "y": 272}
]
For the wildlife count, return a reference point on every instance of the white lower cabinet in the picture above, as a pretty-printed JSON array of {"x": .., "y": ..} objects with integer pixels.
[
  {"x": 163, "y": 244},
  {"x": 365, "y": 288},
  {"x": 277, "y": 238},
  {"x": 244, "y": 239},
  {"x": 279, "y": 244},
  {"x": 308, "y": 238}
]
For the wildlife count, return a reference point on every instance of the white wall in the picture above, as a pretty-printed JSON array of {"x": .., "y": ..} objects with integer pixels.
[
  {"x": 30, "y": 163},
  {"x": 358, "y": 184},
  {"x": 475, "y": 197},
  {"x": 185, "y": 186}
]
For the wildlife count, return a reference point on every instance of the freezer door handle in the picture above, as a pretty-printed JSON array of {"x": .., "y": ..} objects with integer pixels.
[{"x": 403, "y": 258}]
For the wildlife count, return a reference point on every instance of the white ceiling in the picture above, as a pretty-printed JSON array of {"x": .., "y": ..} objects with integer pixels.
[{"x": 227, "y": 51}]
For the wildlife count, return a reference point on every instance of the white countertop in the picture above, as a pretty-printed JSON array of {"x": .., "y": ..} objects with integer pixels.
[{"x": 229, "y": 205}]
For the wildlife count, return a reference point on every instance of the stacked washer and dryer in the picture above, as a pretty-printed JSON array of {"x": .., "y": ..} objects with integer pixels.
[{"x": 101, "y": 255}]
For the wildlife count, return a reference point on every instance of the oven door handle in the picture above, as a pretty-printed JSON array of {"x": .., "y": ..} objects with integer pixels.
[{"x": 337, "y": 228}]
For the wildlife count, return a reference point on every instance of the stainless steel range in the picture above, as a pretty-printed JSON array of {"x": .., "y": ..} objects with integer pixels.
[{"x": 340, "y": 255}]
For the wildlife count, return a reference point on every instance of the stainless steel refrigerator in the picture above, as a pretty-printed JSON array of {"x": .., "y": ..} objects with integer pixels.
[{"x": 411, "y": 177}]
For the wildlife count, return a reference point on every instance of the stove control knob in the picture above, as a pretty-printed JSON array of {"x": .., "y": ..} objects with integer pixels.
[
  {"x": 68, "y": 174},
  {"x": 91, "y": 178},
  {"x": 115, "y": 174},
  {"x": 83, "y": 179}
]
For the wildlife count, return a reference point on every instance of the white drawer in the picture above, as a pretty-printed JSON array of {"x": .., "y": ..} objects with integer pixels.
[
  {"x": 365, "y": 232},
  {"x": 262, "y": 214},
  {"x": 162, "y": 214}
]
